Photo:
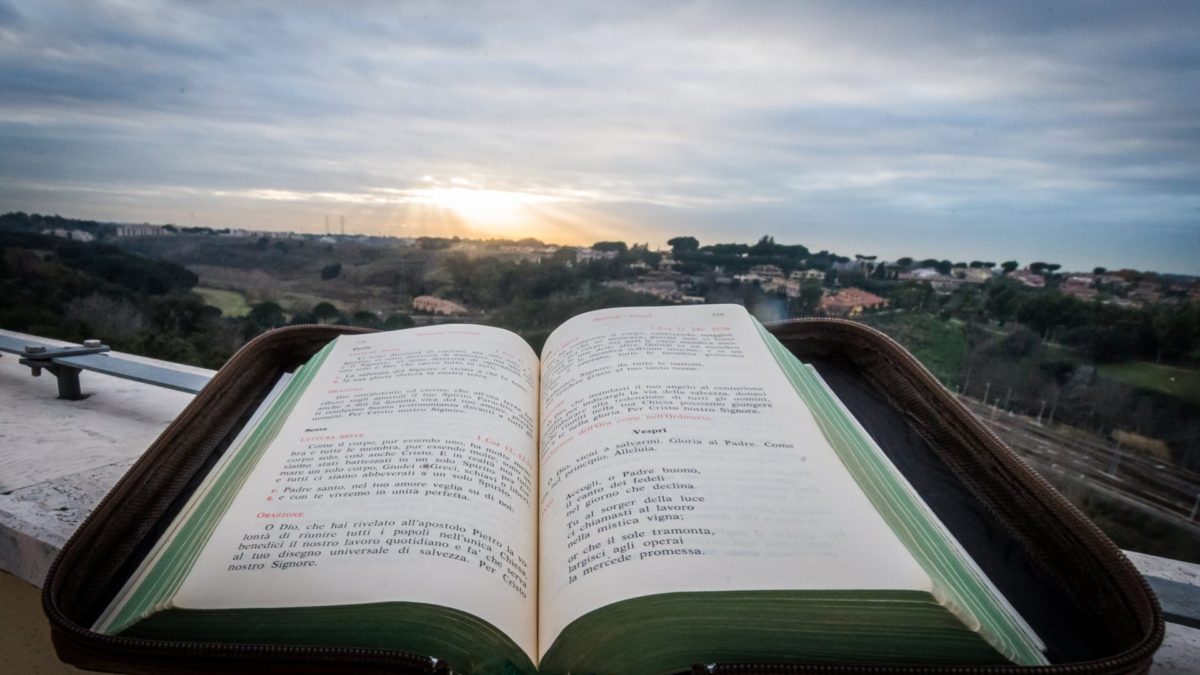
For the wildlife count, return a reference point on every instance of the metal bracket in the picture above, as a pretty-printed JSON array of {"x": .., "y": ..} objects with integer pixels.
[
  {"x": 39, "y": 358},
  {"x": 66, "y": 362}
]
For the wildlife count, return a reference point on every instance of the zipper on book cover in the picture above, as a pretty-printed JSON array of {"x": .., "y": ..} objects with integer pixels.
[
  {"x": 1102, "y": 667},
  {"x": 1049, "y": 496},
  {"x": 1068, "y": 517},
  {"x": 1083, "y": 529},
  {"x": 89, "y": 640}
]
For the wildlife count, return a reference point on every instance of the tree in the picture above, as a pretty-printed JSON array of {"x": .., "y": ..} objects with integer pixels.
[
  {"x": 905, "y": 262},
  {"x": 1044, "y": 268},
  {"x": 331, "y": 271},
  {"x": 365, "y": 319},
  {"x": 913, "y": 295},
  {"x": 1004, "y": 296},
  {"x": 434, "y": 243},
  {"x": 325, "y": 311},
  {"x": 397, "y": 321},
  {"x": 267, "y": 315},
  {"x": 765, "y": 246},
  {"x": 1010, "y": 266},
  {"x": 1099, "y": 270},
  {"x": 810, "y": 295},
  {"x": 643, "y": 253},
  {"x": 944, "y": 267},
  {"x": 618, "y": 246},
  {"x": 683, "y": 245},
  {"x": 1177, "y": 332}
]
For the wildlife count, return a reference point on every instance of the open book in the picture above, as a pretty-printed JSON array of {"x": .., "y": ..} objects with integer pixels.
[{"x": 667, "y": 486}]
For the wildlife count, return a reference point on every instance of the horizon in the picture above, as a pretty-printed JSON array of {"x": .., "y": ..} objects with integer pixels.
[
  {"x": 657, "y": 248},
  {"x": 1062, "y": 133}
]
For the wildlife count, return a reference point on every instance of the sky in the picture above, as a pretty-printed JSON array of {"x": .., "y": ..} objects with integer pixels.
[{"x": 1026, "y": 130}]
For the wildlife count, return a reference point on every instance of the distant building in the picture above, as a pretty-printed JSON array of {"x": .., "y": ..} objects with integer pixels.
[
  {"x": 806, "y": 275},
  {"x": 767, "y": 271},
  {"x": 921, "y": 274},
  {"x": 850, "y": 302},
  {"x": 976, "y": 275},
  {"x": 774, "y": 284},
  {"x": 1085, "y": 294},
  {"x": 144, "y": 230},
  {"x": 664, "y": 285},
  {"x": 272, "y": 234},
  {"x": 660, "y": 288},
  {"x": 584, "y": 255},
  {"x": 526, "y": 252},
  {"x": 428, "y": 303},
  {"x": 1116, "y": 282},
  {"x": 944, "y": 284},
  {"x": 73, "y": 235},
  {"x": 1145, "y": 293},
  {"x": 1028, "y": 278},
  {"x": 941, "y": 283},
  {"x": 794, "y": 284},
  {"x": 1079, "y": 287}
]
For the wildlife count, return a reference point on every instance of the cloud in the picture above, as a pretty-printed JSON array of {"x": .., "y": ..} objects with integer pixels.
[{"x": 953, "y": 122}]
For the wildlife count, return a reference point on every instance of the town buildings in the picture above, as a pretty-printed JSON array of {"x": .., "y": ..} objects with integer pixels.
[
  {"x": 850, "y": 302},
  {"x": 428, "y": 303}
]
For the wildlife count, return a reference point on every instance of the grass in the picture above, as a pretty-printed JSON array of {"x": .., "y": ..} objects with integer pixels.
[
  {"x": 1170, "y": 380},
  {"x": 940, "y": 345},
  {"x": 295, "y": 302},
  {"x": 231, "y": 303}
]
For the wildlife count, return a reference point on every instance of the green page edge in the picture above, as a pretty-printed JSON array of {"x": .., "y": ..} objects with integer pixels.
[
  {"x": 956, "y": 580},
  {"x": 180, "y": 554}
]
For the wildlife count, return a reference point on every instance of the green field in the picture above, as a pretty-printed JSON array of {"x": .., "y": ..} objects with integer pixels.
[
  {"x": 231, "y": 303},
  {"x": 940, "y": 345},
  {"x": 1180, "y": 382}
]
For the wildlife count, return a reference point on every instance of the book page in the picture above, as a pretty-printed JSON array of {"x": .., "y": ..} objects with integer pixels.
[
  {"x": 676, "y": 456},
  {"x": 406, "y": 472}
]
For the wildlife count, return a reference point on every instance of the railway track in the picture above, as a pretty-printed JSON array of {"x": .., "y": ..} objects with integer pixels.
[{"x": 1098, "y": 463}]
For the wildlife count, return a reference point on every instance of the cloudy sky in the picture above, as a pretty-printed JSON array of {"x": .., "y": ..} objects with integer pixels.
[{"x": 993, "y": 130}]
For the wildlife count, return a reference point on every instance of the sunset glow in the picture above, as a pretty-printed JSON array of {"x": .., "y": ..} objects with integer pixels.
[
  {"x": 1004, "y": 130},
  {"x": 495, "y": 212}
]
